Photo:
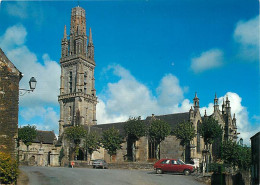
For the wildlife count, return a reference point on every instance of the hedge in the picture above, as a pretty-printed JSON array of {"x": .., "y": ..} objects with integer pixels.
[{"x": 8, "y": 169}]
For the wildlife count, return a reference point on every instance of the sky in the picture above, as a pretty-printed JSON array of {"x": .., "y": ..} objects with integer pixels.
[{"x": 151, "y": 57}]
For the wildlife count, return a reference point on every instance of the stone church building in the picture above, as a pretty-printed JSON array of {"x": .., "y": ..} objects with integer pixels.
[{"x": 78, "y": 102}]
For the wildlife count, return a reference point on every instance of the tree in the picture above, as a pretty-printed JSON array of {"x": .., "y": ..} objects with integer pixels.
[
  {"x": 75, "y": 134},
  {"x": 211, "y": 131},
  {"x": 111, "y": 140},
  {"x": 27, "y": 134},
  {"x": 185, "y": 132},
  {"x": 236, "y": 155},
  {"x": 158, "y": 131},
  {"x": 61, "y": 155},
  {"x": 92, "y": 142},
  {"x": 135, "y": 128}
]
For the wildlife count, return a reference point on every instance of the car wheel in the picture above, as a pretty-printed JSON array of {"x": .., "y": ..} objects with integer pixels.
[
  {"x": 186, "y": 172},
  {"x": 159, "y": 171},
  {"x": 94, "y": 166}
]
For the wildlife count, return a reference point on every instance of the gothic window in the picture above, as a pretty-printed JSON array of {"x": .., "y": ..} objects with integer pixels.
[
  {"x": 152, "y": 149},
  {"x": 70, "y": 112},
  {"x": 70, "y": 82},
  {"x": 85, "y": 83},
  {"x": 198, "y": 137}
]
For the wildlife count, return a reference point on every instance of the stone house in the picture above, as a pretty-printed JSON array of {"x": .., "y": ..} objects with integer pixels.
[
  {"x": 10, "y": 77},
  {"x": 44, "y": 150}
]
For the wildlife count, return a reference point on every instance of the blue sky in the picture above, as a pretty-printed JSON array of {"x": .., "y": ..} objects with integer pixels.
[{"x": 151, "y": 56}]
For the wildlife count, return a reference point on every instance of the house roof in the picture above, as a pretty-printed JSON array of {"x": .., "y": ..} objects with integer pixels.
[
  {"x": 4, "y": 61},
  {"x": 46, "y": 137}
]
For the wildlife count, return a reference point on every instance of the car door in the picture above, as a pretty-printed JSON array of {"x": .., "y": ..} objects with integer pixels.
[
  {"x": 175, "y": 167},
  {"x": 165, "y": 165}
]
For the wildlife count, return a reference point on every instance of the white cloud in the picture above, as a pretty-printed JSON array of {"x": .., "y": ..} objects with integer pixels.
[
  {"x": 244, "y": 128},
  {"x": 13, "y": 37},
  {"x": 17, "y": 9},
  {"x": 207, "y": 60},
  {"x": 46, "y": 73},
  {"x": 169, "y": 91},
  {"x": 128, "y": 97},
  {"x": 43, "y": 118},
  {"x": 246, "y": 34}
]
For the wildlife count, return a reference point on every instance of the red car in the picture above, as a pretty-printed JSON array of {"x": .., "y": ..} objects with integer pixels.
[{"x": 172, "y": 165}]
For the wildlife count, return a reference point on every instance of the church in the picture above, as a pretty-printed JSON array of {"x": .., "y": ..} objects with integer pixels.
[{"x": 78, "y": 102}]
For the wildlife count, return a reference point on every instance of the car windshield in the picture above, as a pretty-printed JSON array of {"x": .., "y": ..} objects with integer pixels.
[
  {"x": 98, "y": 160},
  {"x": 165, "y": 162},
  {"x": 180, "y": 162}
]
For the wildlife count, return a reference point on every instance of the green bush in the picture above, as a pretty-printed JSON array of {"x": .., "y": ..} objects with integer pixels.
[
  {"x": 8, "y": 169},
  {"x": 218, "y": 168}
]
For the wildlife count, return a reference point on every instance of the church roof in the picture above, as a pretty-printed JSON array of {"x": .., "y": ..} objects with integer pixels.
[
  {"x": 172, "y": 119},
  {"x": 119, "y": 126},
  {"x": 46, "y": 137}
]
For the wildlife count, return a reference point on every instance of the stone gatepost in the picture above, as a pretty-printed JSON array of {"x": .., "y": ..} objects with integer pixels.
[
  {"x": 54, "y": 158},
  {"x": 40, "y": 160}
]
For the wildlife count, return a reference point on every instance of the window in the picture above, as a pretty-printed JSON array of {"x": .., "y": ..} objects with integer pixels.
[
  {"x": 152, "y": 149},
  {"x": 198, "y": 137},
  {"x": 179, "y": 162},
  {"x": 174, "y": 162},
  {"x": 165, "y": 162},
  {"x": 85, "y": 83},
  {"x": 70, "y": 82},
  {"x": 70, "y": 110}
]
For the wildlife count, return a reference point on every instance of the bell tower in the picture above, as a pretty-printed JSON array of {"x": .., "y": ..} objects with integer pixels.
[{"x": 77, "y": 83}]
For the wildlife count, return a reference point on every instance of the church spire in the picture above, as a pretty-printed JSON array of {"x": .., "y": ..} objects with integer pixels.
[
  {"x": 90, "y": 46},
  {"x": 65, "y": 33},
  {"x": 90, "y": 36},
  {"x": 216, "y": 106},
  {"x": 64, "y": 44},
  {"x": 196, "y": 104}
]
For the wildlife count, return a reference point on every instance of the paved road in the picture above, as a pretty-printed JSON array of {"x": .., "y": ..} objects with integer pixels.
[{"x": 86, "y": 176}]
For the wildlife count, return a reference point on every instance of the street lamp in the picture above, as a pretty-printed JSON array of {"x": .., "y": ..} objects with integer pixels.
[{"x": 32, "y": 84}]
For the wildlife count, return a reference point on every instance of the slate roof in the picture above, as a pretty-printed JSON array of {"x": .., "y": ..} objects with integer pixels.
[
  {"x": 92, "y": 129},
  {"x": 172, "y": 119},
  {"x": 47, "y": 137},
  {"x": 119, "y": 126}
]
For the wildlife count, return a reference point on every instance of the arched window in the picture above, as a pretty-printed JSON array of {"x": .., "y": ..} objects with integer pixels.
[
  {"x": 70, "y": 82},
  {"x": 198, "y": 137},
  {"x": 85, "y": 83}
]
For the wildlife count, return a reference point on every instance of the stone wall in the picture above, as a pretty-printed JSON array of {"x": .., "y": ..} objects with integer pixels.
[
  {"x": 9, "y": 97},
  {"x": 171, "y": 148},
  {"x": 39, "y": 154}
]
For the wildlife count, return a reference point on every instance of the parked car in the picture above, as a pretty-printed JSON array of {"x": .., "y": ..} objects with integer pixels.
[
  {"x": 100, "y": 163},
  {"x": 191, "y": 163},
  {"x": 172, "y": 165}
]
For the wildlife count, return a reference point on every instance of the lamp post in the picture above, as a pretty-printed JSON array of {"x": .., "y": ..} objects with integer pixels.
[{"x": 32, "y": 84}]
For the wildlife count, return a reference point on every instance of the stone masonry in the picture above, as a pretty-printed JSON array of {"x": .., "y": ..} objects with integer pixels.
[
  {"x": 77, "y": 83},
  {"x": 9, "y": 98}
]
